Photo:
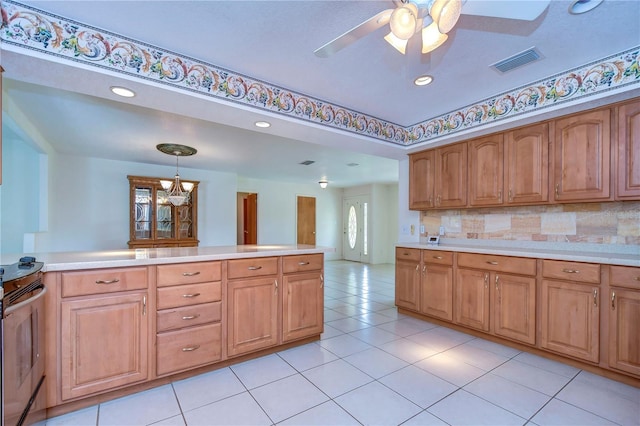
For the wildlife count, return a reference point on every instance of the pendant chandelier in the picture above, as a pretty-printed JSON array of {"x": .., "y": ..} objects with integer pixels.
[{"x": 177, "y": 191}]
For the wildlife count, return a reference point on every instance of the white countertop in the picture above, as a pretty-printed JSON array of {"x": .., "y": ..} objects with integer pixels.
[
  {"x": 66, "y": 261},
  {"x": 625, "y": 256}
]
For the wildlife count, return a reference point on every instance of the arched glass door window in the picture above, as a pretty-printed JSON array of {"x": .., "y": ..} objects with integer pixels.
[{"x": 353, "y": 227}]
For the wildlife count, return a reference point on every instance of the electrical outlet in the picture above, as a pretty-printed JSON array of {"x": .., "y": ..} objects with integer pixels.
[
  {"x": 441, "y": 230},
  {"x": 422, "y": 229}
]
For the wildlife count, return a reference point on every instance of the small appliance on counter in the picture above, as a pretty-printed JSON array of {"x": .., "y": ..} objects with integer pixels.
[{"x": 22, "y": 342}]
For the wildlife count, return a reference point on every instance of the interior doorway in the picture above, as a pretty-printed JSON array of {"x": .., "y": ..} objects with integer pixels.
[
  {"x": 355, "y": 241},
  {"x": 247, "y": 218},
  {"x": 306, "y": 220}
]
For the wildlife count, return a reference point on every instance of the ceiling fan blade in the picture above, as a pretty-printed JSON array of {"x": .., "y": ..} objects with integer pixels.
[
  {"x": 527, "y": 10},
  {"x": 354, "y": 34}
]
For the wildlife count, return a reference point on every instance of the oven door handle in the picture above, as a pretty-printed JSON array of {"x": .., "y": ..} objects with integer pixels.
[{"x": 32, "y": 299}]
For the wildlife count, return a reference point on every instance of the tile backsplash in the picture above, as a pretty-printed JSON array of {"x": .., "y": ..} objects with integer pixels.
[{"x": 595, "y": 223}]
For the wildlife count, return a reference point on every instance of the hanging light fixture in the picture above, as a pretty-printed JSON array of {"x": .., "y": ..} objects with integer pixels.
[
  {"x": 323, "y": 183},
  {"x": 435, "y": 18},
  {"x": 177, "y": 191}
]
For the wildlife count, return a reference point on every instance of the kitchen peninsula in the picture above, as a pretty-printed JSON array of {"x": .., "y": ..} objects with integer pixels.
[{"x": 125, "y": 320}]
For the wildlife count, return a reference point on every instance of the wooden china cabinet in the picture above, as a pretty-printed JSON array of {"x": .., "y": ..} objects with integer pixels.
[{"x": 154, "y": 221}]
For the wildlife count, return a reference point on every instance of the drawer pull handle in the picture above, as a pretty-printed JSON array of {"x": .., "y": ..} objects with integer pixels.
[
  {"x": 191, "y": 295},
  {"x": 321, "y": 281},
  {"x": 190, "y": 274},
  {"x": 417, "y": 267},
  {"x": 190, "y": 317},
  {"x": 571, "y": 271},
  {"x": 406, "y": 254},
  {"x": 254, "y": 268},
  {"x": 595, "y": 297},
  {"x": 637, "y": 278},
  {"x": 303, "y": 263},
  {"x": 492, "y": 262},
  {"x": 437, "y": 257},
  {"x": 190, "y": 348},
  {"x": 613, "y": 300},
  {"x": 113, "y": 281}
]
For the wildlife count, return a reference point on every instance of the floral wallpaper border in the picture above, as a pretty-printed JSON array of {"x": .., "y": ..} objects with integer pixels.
[{"x": 33, "y": 29}]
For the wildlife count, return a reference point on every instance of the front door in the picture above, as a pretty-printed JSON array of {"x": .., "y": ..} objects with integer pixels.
[
  {"x": 306, "y": 220},
  {"x": 355, "y": 244}
]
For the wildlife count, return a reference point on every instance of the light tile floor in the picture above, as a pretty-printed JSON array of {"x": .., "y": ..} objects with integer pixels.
[{"x": 374, "y": 366}]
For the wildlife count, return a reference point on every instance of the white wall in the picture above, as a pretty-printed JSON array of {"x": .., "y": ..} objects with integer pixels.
[
  {"x": 406, "y": 217},
  {"x": 277, "y": 212},
  {"x": 19, "y": 211}
]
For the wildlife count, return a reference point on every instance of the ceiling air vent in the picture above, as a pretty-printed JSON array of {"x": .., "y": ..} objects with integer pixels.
[
  {"x": 307, "y": 162},
  {"x": 517, "y": 60}
]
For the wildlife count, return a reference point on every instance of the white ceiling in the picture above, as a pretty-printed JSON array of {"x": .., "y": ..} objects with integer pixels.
[{"x": 273, "y": 41}]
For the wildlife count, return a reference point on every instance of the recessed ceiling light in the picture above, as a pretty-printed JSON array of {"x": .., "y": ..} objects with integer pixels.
[
  {"x": 423, "y": 80},
  {"x": 263, "y": 124},
  {"x": 583, "y": 6},
  {"x": 123, "y": 91}
]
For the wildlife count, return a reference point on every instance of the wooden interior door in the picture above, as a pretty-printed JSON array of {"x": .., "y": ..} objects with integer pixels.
[
  {"x": 251, "y": 219},
  {"x": 306, "y": 220}
]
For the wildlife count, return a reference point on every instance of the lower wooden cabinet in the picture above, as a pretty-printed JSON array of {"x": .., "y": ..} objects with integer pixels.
[
  {"x": 436, "y": 298},
  {"x": 513, "y": 307},
  {"x": 472, "y": 298},
  {"x": 624, "y": 319},
  {"x": 570, "y": 322},
  {"x": 408, "y": 276},
  {"x": 104, "y": 343},
  {"x": 188, "y": 347},
  {"x": 302, "y": 305},
  {"x": 252, "y": 314}
]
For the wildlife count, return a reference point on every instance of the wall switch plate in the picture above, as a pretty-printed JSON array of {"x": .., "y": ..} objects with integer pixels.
[
  {"x": 422, "y": 229},
  {"x": 441, "y": 230}
]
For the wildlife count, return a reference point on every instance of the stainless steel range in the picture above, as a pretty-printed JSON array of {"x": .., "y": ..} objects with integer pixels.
[{"x": 22, "y": 342}]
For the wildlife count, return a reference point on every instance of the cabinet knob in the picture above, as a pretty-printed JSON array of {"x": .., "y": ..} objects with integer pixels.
[
  {"x": 613, "y": 300},
  {"x": 595, "y": 297}
]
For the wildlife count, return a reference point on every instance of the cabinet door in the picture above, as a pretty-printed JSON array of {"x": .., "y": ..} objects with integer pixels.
[
  {"x": 421, "y": 176},
  {"x": 302, "y": 305},
  {"x": 104, "y": 343},
  {"x": 513, "y": 311},
  {"x": 526, "y": 165},
  {"x": 451, "y": 176},
  {"x": 252, "y": 315},
  {"x": 472, "y": 298},
  {"x": 437, "y": 292},
  {"x": 628, "y": 187},
  {"x": 582, "y": 152},
  {"x": 486, "y": 178},
  {"x": 624, "y": 330},
  {"x": 570, "y": 320},
  {"x": 408, "y": 285}
]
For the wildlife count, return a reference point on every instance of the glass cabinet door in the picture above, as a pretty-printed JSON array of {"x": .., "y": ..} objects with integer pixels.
[
  {"x": 185, "y": 221},
  {"x": 164, "y": 216},
  {"x": 142, "y": 213}
]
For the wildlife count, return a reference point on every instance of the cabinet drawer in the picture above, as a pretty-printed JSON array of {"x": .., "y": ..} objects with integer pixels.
[
  {"x": 98, "y": 281},
  {"x": 188, "y": 273},
  {"x": 439, "y": 257},
  {"x": 514, "y": 265},
  {"x": 302, "y": 263},
  {"x": 625, "y": 276},
  {"x": 246, "y": 268},
  {"x": 407, "y": 254},
  {"x": 188, "y": 348},
  {"x": 188, "y": 316},
  {"x": 571, "y": 271},
  {"x": 189, "y": 294}
]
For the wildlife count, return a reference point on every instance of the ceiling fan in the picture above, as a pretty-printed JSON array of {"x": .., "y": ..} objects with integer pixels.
[{"x": 433, "y": 19}]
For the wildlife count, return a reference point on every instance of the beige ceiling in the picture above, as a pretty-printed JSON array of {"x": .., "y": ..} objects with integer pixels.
[{"x": 273, "y": 41}]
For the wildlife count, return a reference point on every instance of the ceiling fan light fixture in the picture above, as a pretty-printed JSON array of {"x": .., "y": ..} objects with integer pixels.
[
  {"x": 399, "y": 44},
  {"x": 423, "y": 80},
  {"x": 404, "y": 21},
  {"x": 432, "y": 38},
  {"x": 323, "y": 183},
  {"x": 446, "y": 13}
]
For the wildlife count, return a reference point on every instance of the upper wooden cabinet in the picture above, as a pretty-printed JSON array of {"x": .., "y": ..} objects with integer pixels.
[
  {"x": 628, "y": 161},
  {"x": 421, "y": 180},
  {"x": 486, "y": 181},
  {"x": 450, "y": 188},
  {"x": 582, "y": 157},
  {"x": 154, "y": 221},
  {"x": 526, "y": 165}
]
